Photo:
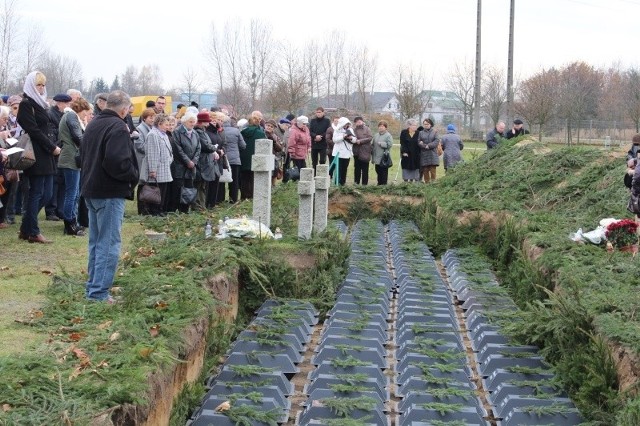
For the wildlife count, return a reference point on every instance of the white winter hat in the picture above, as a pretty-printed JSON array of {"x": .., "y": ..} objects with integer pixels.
[
  {"x": 242, "y": 123},
  {"x": 303, "y": 119}
]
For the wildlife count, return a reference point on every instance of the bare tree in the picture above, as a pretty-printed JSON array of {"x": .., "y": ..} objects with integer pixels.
[
  {"x": 632, "y": 96},
  {"x": 333, "y": 56},
  {"x": 461, "y": 81},
  {"x": 33, "y": 49},
  {"x": 580, "y": 87},
  {"x": 190, "y": 82},
  {"x": 365, "y": 68},
  {"x": 409, "y": 89},
  {"x": 537, "y": 98},
  {"x": 293, "y": 82},
  {"x": 260, "y": 59},
  {"x": 317, "y": 69},
  {"x": 150, "y": 80},
  {"x": 495, "y": 93},
  {"x": 8, "y": 27},
  {"x": 62, "y": 73},
  {"x": 130, "y": 82},
  {"x": 225, "y": 52}
]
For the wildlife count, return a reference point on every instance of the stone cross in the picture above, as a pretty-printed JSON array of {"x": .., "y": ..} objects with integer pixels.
[
  {"x": 262, "y": 165},
  {"x": 321, "y": 206},
  {"x": 306, "y": 189}
]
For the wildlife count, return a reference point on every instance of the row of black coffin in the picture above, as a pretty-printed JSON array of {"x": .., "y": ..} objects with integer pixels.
[{"x": 425, "y": 323}]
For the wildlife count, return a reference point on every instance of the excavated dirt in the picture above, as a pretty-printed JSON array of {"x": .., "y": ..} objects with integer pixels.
[{"x": 164, "y": 386}]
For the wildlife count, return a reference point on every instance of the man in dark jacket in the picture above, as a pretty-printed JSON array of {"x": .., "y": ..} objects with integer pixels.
[
  {"x": 55, "y": 113},
  {"x": 495, "y": 135},
  {"x": 318, "y": 128},
  {"x": 109, "y": 174},
  {"x": 516, "y": 130}
]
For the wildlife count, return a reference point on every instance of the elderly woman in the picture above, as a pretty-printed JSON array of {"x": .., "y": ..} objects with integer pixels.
[
  {"x": 33, "y": 118},
  {"x": 428, "y": 141},
  {"x": 250, "y": 134},
  {"x": 186, "y": 155},
  {"x": 382, "y": 142},
  {"x": 5, "y": 174},
  {"x": 343, "y": 139},
  {"x": 233, "y": 143},
  {"x": 410, "y": 152},
  {"x": 156, "y": 166},
  {"x": 207, "y": 170},
  {"x": 70, "y": 131},
  {"x": 277, "y": 148},
  {"x": 146, "y": 123},
  {"x": 451, "y": 146}
]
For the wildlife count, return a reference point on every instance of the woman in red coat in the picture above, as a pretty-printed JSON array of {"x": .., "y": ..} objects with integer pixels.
[{"x": 299, "y": 142}]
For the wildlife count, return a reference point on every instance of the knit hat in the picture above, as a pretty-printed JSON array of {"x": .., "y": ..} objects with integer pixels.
[
  {"x": 451, "y": 128},
  {"x": 303, "y": 119},
  {"x": 284, "y": 121},
  {"x": 5, "y": 98},
  {"x": 204, "y": 117},
  {"x": 14, "y": 99},
  {"x": 272, "y": 122},
  {"x": 290, "y": 117},
  {"x": 242, "y": 123}
]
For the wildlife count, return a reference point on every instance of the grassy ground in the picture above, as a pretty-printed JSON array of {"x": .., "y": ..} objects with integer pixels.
[{"x": 26, "y": 270}]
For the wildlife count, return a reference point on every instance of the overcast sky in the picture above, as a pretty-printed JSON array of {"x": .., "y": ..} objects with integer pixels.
[{"x": 106, "y": 37}]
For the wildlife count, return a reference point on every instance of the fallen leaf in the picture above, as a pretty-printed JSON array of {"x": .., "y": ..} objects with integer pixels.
[
  {"x": 154, "y": 330},
  {"x": 76, "y": 372},
  {"x": 6, "y": 407},
  {"x": 116, "y": 290},
  {"x": 80, "y": 354},
  {"x": 103, "y": 364},
  {"x": 74, "y": 337},
  {"x": 161, "y": 305},
  {"x": 77, "y": 320},
  {"x": 46, "y": 272},
  {"x": 126, "y": 255},
  {"x": 4, "y": 268},
  {"x": 36, "y": 314},
  {"x": 145, "y": 352},
  {"x": 102, "y": 346},
  {"x": 115, "y": 336},
  {"x": 105, "y": 325},
  {"x": 179, "y": 267},
  {"x": 225, "y": 406}
]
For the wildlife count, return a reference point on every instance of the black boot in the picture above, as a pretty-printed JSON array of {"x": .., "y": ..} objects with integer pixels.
[{"x": 72, "y": 228}]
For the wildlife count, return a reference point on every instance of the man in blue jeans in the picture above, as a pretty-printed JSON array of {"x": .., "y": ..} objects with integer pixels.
[{"x": 109, "y": 174}]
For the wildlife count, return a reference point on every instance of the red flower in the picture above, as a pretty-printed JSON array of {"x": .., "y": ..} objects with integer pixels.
[{"x": 622, "y": 233}]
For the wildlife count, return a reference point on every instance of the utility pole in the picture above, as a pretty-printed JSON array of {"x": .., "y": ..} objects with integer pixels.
[
  {"x": 510, "y": 64},
  {"x": 476, "y": 92}
]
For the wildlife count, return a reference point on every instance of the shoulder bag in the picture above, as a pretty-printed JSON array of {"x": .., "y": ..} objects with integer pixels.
[
  {"x": 24, "y": 159},
  {"x": 226, "y": 177},
  {"x": 150, "y": 193},
  {"x": 439, "y": 149}
]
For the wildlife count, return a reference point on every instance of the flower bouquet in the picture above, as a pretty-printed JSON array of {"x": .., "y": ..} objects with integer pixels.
[{"x": 622, "y": 233}]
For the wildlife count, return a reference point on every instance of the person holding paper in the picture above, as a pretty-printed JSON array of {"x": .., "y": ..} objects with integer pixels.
[{"x": 33, "y": 118}]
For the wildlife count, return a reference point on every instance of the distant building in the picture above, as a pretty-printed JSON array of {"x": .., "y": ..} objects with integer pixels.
[{"x": 204, "y": 100}]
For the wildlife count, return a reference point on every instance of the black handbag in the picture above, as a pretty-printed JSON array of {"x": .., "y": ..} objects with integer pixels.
[
  {"x": 292, "y": 174},
  {"x": 150, "y": 194},
  {"x": 188, "y": 195},
  {"x": 386, "y": 160}
]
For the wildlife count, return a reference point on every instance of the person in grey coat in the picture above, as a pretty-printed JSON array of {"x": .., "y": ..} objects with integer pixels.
[
  {"x": 186, "y": 155},
  {"x": 207, "y": 170},
  {"x": 143, "y": 129},
  {"x": 382, "y": 141},
  {"x": 428, "y": 141},
  {"x": 451, "y": 145},
  {"x": 155, "y": 168},
  {"x": 233, "y": 142}
]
